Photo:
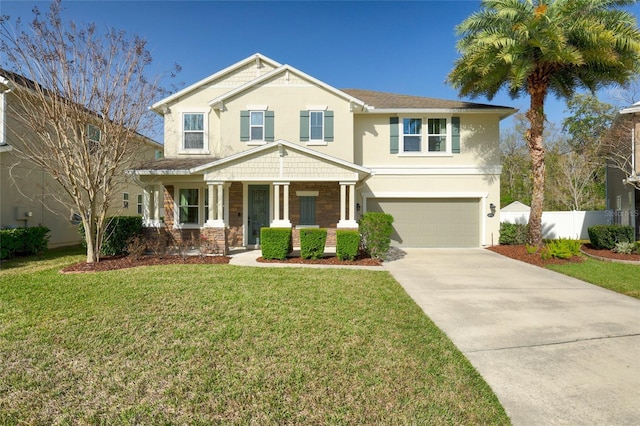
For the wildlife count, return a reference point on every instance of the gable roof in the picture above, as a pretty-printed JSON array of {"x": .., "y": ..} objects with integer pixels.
[
  {"x": 384, "y": 102},
  {"x": 256, "y": 57},
  {"x": 635, "y": 108},
  {"x": 281, "y": 70}
]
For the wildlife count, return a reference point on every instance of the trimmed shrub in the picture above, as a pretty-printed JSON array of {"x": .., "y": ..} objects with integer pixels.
[
  {"x": 606, "y": 236},
  {"x": 513, "y": 234},
  {"x": 118, "y": 231},
  {"x": 376, "y": 229},
  {"x": 312, "y": 241},
  {"x": 23, "y": 241},
  {"x": 275, "y": 242},
  {"x": 347, "y": 244}
]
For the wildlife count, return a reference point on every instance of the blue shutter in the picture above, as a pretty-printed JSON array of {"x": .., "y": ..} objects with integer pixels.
[
  {"x": 268, "y": 126},
  {"x": 304, "y": 126},
  {"x": 394, "y": 129},
  {"x": 328, "y": 126},
  {"x": 244, "y": 126},
  {"x": 455, "y": 135}
]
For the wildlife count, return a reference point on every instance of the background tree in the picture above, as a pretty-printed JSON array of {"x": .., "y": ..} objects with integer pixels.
[
  {"x": 539, "y": 46},
  {"x": 83, "y": 100},
  {"x": 515, "y": 180}
]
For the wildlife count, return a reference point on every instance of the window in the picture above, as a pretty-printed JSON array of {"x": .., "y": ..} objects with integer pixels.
[
  {"x": 158, "y": 154},
  {"x": 193, "y": 128},
  {"x": 257, "y": 126},
  {"x": 307, "y": 210},
  {"x": 125, "y": 200},
  {"x": 140, "y": 204},
  {"x": 412, "y": 134},
  {"x": 188, "y": 206},
  {"x": 93, "y": 137},
  {"x": 316, "y": 125},
  {"x": 437, "y": 134}
]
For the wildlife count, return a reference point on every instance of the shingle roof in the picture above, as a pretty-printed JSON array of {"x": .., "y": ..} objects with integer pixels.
[
  {"x": 174, "y": 164},
  {"x": 382, "y": 100}
]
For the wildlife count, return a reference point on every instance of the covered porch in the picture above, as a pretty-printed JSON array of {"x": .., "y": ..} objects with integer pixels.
[{"x": 225, "y": 202}]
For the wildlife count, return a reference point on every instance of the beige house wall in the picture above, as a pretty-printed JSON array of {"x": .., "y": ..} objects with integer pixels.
[
  {"x": 27, "y": 188},
  {"x": 479, "y": 142},
  {"x": 285, "y": 95}
]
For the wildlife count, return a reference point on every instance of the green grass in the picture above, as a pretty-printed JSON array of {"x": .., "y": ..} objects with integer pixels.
[
  {"x": 220, "y": 344},
  {"x": 619, "y": 277}
]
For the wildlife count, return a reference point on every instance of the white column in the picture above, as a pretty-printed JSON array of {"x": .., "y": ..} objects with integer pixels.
[
  {"x": 157, "y": 190},
  {"x": 147, "y": 211},
  {"x": 277, "y": 222},
  {"x": 344, "y": 223},
  {"x": 352, "y": 202},
  {"x": 343, "y": 201},
  {"x": 216, "y": 204},
  {"x": 276, "y": 202},
  {"x": 286, "y": 202}
]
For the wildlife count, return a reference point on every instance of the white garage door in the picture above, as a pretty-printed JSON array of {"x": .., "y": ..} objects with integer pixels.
[{"x": 433, "y": 222}]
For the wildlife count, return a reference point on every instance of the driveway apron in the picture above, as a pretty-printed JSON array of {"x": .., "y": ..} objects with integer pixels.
[{"x": 555, "y": 350}]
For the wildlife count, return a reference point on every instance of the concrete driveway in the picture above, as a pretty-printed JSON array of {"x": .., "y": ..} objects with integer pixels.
[{"x": 554, "y": 349}]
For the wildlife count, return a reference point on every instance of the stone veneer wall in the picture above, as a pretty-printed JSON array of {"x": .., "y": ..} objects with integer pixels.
[
  {"x": 236, "y": 221},
  {"x": 327, "y": 202}
]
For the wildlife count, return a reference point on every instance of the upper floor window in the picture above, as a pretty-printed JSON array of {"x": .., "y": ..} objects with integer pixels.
[
  {"x": 316, "y": 125},
  {"x": 193, "y": 131},
  {"x": 435, "y": 137},
  {"x": 257, "y": 126},
  {"x": 93, "y": 137}
]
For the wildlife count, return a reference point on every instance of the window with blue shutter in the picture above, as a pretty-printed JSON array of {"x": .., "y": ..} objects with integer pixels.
[{"x": 455, "y": 135}]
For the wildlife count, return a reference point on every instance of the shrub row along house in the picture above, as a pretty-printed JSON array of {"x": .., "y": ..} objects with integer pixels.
[
  {"x": 261, "y": 144},
  {"x": 29, "y": 196}
]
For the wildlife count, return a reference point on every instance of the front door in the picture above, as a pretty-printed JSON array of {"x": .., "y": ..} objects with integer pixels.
[{"x": 258, "y": 211}]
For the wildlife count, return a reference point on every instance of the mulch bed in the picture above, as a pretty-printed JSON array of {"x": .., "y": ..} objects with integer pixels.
[
  {"x": 520, "y": 253},
  {"x": 124, "y": 262}
]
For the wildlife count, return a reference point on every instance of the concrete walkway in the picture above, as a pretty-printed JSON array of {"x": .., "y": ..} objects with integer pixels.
[{"x": 555, "y": 350}]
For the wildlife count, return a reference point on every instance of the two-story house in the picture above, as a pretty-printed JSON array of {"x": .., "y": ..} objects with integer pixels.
[
  {"x": 623, "y": 169},
  {"x": 29, "y": 196},
  {"x": 264, "y": 144}
]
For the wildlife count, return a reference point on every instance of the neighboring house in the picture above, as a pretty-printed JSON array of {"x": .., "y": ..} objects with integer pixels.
[
  {"x": 623, "y": 175},
  {"x": 28, "y": 195},
  {"x": 261, "y": 144}
]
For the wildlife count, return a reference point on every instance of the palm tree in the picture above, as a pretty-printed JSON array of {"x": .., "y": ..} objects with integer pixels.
[{"x": 533, "y": 47}]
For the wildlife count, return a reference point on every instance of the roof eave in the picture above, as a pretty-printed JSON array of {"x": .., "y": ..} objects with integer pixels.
[{"x": 503, "y": 112}]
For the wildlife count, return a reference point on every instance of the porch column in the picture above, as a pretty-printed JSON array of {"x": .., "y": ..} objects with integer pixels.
[
  {"x": 157, "y": 190},
  {"x": 147, "y": 211},
  {"x": 344, "y": 223},
  {"x": 277, "y": 222},
  {"x": 215, "y": 218}
]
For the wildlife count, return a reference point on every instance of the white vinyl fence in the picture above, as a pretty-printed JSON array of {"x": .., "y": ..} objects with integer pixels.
[{"x": 572, "y": 224}]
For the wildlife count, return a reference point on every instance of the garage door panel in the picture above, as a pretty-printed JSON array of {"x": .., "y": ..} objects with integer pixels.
[{"x": 431, "y": 222}]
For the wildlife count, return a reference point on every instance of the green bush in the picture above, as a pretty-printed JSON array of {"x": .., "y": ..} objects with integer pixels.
[
  {"x": 23, "y": 241},
  {"x": 376, "y": 229},
  {"x": 347, "y": 244},
  {"x": 312, "y": 241},
  {"x": 562, "y": 248},
  {"x": 118, "y": 231},
  {"x": 513, "y": 234},
  {"x": 275, "y": 242},
  {"x": 606, "y": 236}
]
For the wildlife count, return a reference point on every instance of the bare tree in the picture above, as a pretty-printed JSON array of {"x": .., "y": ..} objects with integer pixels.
[{"x": 82, "y": 98}]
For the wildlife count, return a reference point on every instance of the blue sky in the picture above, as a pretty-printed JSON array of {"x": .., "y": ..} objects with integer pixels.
[{"x": 390, "y": 46}]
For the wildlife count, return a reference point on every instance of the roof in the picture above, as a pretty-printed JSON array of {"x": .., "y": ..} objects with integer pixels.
[
  {"x": 384, "y": 102},
  {"x": 635, "y": 108},
  {"x": 175, "y": 165},
  {"x": 516, "y": 206}
]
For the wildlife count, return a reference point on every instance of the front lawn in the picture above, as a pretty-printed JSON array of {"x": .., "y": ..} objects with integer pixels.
[
  {"x": 619, "y": 277},
  {"x": 211, "y": 344}
]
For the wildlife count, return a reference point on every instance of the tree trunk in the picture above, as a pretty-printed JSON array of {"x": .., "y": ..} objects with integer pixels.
[{"x": 533, "y": 136}]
